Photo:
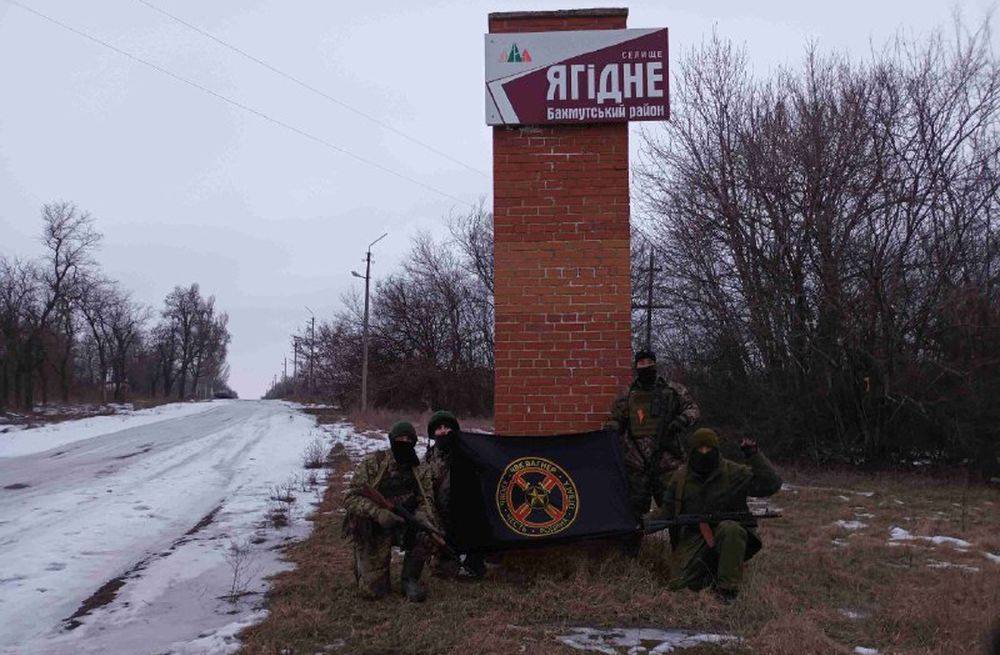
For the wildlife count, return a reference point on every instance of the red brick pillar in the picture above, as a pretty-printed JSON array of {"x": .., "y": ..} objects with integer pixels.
[{"x": 561, "y": 250}]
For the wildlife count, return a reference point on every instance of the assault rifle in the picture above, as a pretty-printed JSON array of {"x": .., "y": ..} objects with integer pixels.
[
  {"x": 411, "y": 519},
  {"x": 656, "y": 525}
]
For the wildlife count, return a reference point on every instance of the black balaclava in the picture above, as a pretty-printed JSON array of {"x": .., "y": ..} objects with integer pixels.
[
  {"x": 438, "y": 419},
  {"x": 645, "y": 376},
  {"x": 704, "y": 463},
  {"x": 404, "y": 452},
  {"x": 402, "y": 443}
]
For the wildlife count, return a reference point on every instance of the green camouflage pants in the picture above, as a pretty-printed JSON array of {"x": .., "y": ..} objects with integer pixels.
[
  {"x": 373, "y": 554},
  {"x": 722, "y": 566},
  {"x": 642, "y": 490}
]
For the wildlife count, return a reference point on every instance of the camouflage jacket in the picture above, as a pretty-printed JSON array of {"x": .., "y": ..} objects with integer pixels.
[
  {"x": 377, "y": 471},
  {"x": 438, "y": 466},
  {"x": 638, "y": 414}
]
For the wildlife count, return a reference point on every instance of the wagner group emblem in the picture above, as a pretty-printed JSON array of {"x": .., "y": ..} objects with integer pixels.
[{"x": 536, "y": 497}]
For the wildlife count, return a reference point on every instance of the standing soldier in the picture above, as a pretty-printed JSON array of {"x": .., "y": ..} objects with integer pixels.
[
  {"x": 397, "y": 475},
  {"x": 713, "y": 554},
  {"x": 442, "y": 430},
  {"x": 651, "y": 417}
]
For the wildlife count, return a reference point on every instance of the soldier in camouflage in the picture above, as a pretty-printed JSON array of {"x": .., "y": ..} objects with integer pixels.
[
  {"x": 397, "y": 475},
  {"x": 713, "y": 554},
  {"x": 651, "y": 417},
  {"x": 442, "y": 430}
]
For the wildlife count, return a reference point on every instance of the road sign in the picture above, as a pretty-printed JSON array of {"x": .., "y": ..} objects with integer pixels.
[{"x": 584, "y": 76}]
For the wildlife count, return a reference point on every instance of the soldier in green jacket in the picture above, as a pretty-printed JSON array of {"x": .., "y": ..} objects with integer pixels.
[
  {"x": 651, "y": 416},
  {"x": 713, "y": 554},
  {"x": 396, "y": 473}
]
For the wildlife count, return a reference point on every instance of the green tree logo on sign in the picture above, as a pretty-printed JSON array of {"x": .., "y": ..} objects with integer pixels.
[{"x": 516, "y": 55}]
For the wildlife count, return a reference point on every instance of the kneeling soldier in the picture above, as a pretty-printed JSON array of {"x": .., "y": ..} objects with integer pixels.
[
  {"x": 397, "y": 475},
  {"x": 713, "y": 554}
]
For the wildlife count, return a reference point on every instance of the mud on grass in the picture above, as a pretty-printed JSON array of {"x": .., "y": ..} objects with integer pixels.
[{"x": 804, "y": 592}]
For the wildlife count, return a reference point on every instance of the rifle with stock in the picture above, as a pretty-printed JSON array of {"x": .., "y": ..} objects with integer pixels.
[
  {"x": 656, "y": 525},
  {"x": 411, "y": 519}
]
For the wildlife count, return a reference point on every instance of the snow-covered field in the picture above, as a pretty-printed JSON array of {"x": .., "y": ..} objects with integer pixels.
[
  {"x": 35, "y": 440},
  {"x": 122, "y": 498}
]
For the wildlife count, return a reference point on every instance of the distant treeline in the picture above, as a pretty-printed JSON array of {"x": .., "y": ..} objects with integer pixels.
[
  {"x": 825, "y": 262},
  {"x": 68, "y": 333},
  {"x": 431, "y": 332}
]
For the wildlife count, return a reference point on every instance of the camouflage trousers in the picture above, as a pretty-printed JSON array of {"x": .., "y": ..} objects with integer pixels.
[
  {"x": 644, "y": 489},
  {"x": 648, "y": 471},
  {"x": 699, "y": 566},
  {"x": 373, "y": 555}
]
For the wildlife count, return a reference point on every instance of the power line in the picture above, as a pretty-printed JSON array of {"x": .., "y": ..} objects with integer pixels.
[
  {"x": 311, "y": 88},
  {"x": 236, "y": 103}
]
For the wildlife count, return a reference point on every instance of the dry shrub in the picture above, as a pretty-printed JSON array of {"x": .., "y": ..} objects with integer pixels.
[{"x": 314, "y": 456}]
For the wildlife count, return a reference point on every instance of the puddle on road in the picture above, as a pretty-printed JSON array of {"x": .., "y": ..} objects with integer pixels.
[{"x": 633, "y": 641}]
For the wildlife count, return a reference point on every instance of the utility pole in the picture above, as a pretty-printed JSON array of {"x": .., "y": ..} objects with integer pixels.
[
  {"x": 295, "y": 357},
  {"x": 312, "y": 346},
  {"x": 649, "y": 306},
  {"x": 364, "y": 360},
  {"x": 649, "y": 302},
  {"x": 284, "y": 370}
]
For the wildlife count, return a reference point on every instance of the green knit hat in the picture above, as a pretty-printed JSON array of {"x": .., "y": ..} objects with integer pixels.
[
  {"x": 703, "y": 437},
  {"x": 442, "y": 417},
  {"x": 401, "y": 428}
]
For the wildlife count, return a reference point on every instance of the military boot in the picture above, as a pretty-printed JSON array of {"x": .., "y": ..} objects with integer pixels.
[
  {"x": 412, "y": 589},
  {"x": 726, "y": 596}
]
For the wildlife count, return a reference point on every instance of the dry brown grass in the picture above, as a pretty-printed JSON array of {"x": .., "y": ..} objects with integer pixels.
[{"x": 798, "y": 588}]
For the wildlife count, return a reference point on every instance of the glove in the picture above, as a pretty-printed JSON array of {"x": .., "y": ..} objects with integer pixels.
[
  {"x": 749, "y": 447},
  {"x": 387, "y": 520}
]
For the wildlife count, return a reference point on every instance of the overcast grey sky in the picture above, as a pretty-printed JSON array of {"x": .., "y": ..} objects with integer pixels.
[{"x": 187, "y": 188}]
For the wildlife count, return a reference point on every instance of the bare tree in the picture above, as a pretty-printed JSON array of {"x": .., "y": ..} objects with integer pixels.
[
  {"x": 61, "y": 315},
  {"x": 825, "y": 240}
]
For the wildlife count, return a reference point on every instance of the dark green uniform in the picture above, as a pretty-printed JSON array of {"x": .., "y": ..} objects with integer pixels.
[
  {"x": 650, "y": 422},
  {"x": 411, "y": 487},
  {"x": 725, "y": 489}
]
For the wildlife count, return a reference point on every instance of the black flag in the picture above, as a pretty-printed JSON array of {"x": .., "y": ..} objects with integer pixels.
[{"x": 517, "y": 491}]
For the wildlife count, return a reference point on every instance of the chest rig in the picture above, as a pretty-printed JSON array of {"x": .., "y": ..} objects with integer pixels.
[{"x": 647, "y": 407}]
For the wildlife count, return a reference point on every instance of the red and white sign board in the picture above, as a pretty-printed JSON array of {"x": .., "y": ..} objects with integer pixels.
[{"x": 584, "y": 76}]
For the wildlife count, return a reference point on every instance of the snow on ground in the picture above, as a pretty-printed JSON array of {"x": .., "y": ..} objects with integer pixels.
[
  {"x": 938, "y": 564},
  {"x": 36, "y": 440},
  {"x": 861, "y": 650},
  {"x": 852, "y": 614},
  {"x": 850, "y": 525},
  {"x": 358, "y": 444},
  {"x": 637, "y": 640},
  {"x": 794, "y": 488},
  {"x": 993, "y": 558},
  {"x": 171, "y": 507},
  {"x": 899, "y": 534}
]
